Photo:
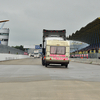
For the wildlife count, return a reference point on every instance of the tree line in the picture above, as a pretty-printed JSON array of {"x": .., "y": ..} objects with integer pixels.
[{"x": 19, "y": 47}]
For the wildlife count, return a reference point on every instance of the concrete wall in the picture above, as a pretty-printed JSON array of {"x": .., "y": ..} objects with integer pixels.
[{"x": 4, "y": 57}]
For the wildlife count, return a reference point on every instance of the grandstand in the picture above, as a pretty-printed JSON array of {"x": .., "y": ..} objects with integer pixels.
[
  {"x": 75, "y": 46},
  {"x": 89, "y": 34}
]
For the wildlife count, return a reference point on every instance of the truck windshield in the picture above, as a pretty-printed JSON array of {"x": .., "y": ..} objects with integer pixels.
[
  {"x": 36, "y": 53},
  {"x": 57, "y": 50}
]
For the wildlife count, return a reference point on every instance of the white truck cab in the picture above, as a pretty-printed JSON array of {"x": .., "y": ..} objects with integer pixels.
[{"x": 36, "y": 54}]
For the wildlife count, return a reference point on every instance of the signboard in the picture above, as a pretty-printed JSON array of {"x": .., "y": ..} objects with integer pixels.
[
  {"x": 37, "y": 47},
  {"x": 25, "y": 53}
]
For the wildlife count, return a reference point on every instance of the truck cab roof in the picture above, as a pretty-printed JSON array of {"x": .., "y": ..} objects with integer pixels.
[
  {"x": 54, "y": 33},
  {"x": 54, "y": 38}
]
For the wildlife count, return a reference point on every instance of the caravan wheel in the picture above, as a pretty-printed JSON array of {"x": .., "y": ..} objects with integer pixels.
[{"x": 66, "y": 65}]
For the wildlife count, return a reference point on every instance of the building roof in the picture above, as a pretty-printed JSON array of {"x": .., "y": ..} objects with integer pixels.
[
  {"x": 4, "y": 21},
  {"x": 89, "y": 34}
]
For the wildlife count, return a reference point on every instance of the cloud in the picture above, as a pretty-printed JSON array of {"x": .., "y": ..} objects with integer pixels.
[{"x": 29, "y": 18}]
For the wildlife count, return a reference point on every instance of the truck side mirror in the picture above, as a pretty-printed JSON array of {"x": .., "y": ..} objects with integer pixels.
[{"x": 40, "y": 45}]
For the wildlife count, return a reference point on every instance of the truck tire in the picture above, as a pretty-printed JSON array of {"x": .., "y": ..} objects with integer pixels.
[
  {"x": 46, "y": 64},
  {"x": 66, "y": 65},
  {"x": 43, "y": 62}
]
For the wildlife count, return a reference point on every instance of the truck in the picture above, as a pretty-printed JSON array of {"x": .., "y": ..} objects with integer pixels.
[
  {"x": 36, "y": 53},
  {"x": 55, "y": 48}
]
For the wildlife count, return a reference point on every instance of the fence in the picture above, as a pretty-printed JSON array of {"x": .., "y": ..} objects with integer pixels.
[{"x": 88, "y": 55}]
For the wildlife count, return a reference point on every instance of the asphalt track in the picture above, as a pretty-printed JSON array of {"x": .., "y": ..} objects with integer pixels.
[{"x": 27, "y": 79}]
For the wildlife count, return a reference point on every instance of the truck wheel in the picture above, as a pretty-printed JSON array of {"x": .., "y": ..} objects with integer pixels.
[
  {"x": 46, "y": 64},
  {"x": 43, "y": 62},
  {"x": 66, "y": 65}
]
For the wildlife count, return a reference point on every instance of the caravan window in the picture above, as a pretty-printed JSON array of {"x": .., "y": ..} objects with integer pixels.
[
  {"x": 53, "y": 50},
  {"x": 57, "y": 50}
]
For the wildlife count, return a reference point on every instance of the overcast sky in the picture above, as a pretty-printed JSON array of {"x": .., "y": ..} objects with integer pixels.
[{"x": 28, "y": 18}]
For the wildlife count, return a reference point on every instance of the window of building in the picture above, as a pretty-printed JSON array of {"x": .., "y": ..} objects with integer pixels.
[
  {"x": 4, "y": 39},
  {"x": 5, "y": 34}
]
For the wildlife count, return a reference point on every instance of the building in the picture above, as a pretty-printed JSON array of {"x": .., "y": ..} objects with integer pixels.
[
  {"x": 4, "y": 37},
  {"x": 4, "y": 34}
]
